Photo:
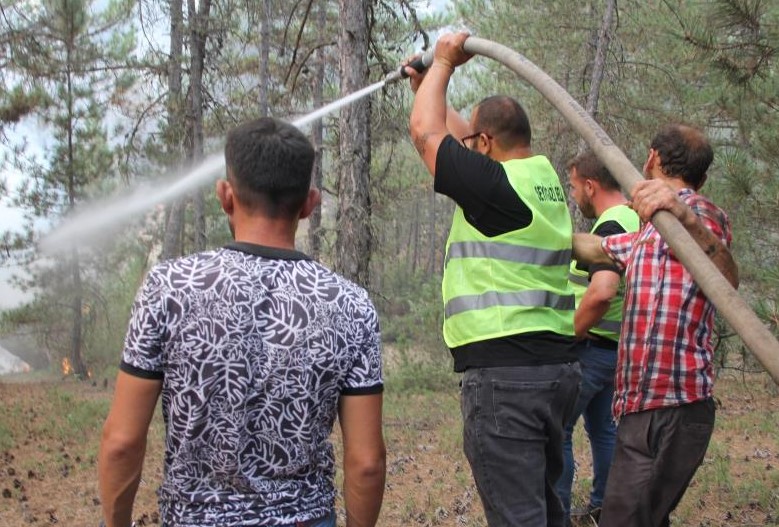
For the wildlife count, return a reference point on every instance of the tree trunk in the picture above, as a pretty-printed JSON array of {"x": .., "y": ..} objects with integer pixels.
[
  {"x": 353, "y": 242},
  {"x": 581, "y": 223},
  {"x": 174, "y": 225},
  {"x": 414, "y": 235},
  {"x": 76, "y": 328},
  {"x": 432, "y": 238},
  {"x": 599, "y": 62},
  {"x": 198, "y": 35},
  {"x": 174, "y": 230},
  {"x": 317, "y": 136}
]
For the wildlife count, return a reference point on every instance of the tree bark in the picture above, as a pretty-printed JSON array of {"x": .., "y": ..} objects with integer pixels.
[
  {"x": 353, "y": 242},
  {"x": 581, "y": 223},
  {"x": 77, "y": 327},
  {"x": 317, "y": 137},
  {"x": 77, "y": 293},
  {"x": 174, "y": 226},
  {"x": 416, "y": 224},
  {"x": 432, "y": 238},
  {"x": 599, "y": 62},
  {"x": 198, "y": 36}
]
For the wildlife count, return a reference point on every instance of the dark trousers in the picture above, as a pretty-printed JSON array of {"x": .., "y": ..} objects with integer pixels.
[
  {"x": 513, "y": 420},
  {"x": 594, "y": 404},
  {"x": 656, "y": 456}
]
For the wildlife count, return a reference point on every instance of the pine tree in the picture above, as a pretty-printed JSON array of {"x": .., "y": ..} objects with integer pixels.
[
  {"x": 739, "y": 42},
  {"x": 77, "y": 56}
]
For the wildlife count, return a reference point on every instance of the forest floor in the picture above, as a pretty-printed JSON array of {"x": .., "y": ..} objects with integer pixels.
[{"x": 50, "y": 429}]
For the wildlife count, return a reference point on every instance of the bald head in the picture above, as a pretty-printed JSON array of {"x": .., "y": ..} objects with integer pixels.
[{"x": 505, "y": 120}]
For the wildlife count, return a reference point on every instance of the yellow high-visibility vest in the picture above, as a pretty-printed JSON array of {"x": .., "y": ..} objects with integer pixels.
[
  {"x": 610, "y": 324},
  {"x": 515, "y": 282}
]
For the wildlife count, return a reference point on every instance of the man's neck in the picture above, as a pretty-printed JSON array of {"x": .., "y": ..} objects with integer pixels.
[
  {"x": 520, "y": 152},
  {"x": 678, "y": 184},
  {"x": 267, "y": 232},
  {"x": 675, "y": 183}
]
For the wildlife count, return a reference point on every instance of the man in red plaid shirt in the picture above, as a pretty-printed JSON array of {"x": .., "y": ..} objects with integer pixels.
[{"x": 663, "y": 382}]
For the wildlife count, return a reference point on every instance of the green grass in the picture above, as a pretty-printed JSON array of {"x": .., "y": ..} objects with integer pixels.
[
  {"x": 717, "y": 468},
  {"x": 72, "y": 419},
  {"x": 52, "y": 430},
  {"x": 6, "y": 436},
  {"x": 421, "y": 378}
]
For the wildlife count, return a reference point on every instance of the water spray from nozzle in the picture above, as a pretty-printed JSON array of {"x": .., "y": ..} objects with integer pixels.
[
  {"x": 98, "y": 218},
  {"x": 420, "y": 64}
]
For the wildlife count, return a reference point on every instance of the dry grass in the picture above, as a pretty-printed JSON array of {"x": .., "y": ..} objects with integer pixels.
[{"x": 49, "y": 432}]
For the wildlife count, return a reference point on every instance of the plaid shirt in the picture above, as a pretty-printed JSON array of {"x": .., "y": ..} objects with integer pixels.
[{"x": 665, "y": 350}]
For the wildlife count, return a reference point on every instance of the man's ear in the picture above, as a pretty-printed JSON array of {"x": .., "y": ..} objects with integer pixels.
[
  {"x": 313, "y": 200},
  {"x": 487, "y": 144},
  {"x": 224, "y": 192},
  {"x": 589, "y": 187},
  {"x": 652, "y": 160}
]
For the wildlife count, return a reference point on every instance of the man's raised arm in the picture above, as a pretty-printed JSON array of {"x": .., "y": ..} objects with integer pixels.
[{"x": 428, "y": 121}]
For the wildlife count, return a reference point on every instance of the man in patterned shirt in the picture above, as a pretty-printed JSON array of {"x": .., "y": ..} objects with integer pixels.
[
  {"x": 255, "y": 349},
  {"x": 664, "y": 378}
]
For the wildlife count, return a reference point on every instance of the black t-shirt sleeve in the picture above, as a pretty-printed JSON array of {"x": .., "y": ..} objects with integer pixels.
[
  {"x": 480, "y": 186},
  {"x": 607, "y": 228},
  {"x": 138, "y": 372}
]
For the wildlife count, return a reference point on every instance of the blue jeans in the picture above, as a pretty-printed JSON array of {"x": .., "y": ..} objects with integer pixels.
[
  {"x": 594, "y": 404},
  {"x": 513, "y": 420}
]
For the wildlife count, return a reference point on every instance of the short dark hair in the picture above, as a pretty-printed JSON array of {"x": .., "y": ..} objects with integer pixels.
[
  {"x": 588, "y": 166},
  {"x": 684, "y": 153},
  {"x": 505, "y": 119},
  {"x": 269, "y": 163}
]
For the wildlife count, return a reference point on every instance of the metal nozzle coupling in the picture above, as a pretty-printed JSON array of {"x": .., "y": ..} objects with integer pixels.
[{"x": 420, "y": 64}]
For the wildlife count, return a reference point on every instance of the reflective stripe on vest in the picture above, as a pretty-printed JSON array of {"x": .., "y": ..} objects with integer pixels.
[
  {"x": 578, "y": 279},
  {"x": 609, "y": 325},
  {"x": 520, "y": 298},
  {"x": 509, "y": 252}
]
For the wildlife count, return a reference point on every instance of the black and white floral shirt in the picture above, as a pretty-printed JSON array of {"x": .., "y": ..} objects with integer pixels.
[{"x": 255, "y": 346}]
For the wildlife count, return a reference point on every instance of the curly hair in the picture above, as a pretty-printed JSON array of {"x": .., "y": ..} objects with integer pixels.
[{"x": 684, "y": 153}]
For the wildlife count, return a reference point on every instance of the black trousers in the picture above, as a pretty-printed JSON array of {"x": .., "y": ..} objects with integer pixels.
[
  {"x": 656, "y": 456},
  {"x": 513, "y": 418}
]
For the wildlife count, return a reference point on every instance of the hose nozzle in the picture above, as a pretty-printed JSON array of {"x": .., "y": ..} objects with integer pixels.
[{"x": 420, "y": 64}]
